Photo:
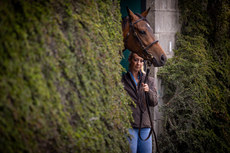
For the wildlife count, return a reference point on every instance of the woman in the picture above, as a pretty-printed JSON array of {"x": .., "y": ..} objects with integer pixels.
[{"x": 133, "y": 84}]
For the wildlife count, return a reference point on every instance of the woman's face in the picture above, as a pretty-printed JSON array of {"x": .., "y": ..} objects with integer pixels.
[{"x": 136, "y": 63}]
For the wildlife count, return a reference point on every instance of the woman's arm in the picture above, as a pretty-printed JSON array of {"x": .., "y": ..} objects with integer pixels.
[{"x": 152, "y": 94}]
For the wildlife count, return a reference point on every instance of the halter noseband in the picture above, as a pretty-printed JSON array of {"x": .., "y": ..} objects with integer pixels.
[{"x": 144, "y": 49}]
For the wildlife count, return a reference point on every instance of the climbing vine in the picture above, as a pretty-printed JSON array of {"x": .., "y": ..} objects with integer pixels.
[
  {"x": 197, "y": 80},
  {"x": 60, "y": 77}
]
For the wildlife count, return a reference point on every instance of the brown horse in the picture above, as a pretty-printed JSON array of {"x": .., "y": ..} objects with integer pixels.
[{"x": 138, "y": 37}]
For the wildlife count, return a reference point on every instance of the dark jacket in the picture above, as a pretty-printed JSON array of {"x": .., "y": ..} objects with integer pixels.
[{"x": 138, "y": 96}]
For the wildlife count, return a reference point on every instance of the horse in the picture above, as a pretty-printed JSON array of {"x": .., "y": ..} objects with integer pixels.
[{"x": 138, "y": 37}]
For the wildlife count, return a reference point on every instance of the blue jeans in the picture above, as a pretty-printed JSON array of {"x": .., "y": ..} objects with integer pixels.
[{"x": 136, "y": 144}]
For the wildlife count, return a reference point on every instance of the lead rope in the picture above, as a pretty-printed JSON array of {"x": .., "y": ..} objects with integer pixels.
[{"x": 150, "y": 118}]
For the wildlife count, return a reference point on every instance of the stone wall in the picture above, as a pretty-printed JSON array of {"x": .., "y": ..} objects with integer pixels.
[{"x": 164, "y": 19}]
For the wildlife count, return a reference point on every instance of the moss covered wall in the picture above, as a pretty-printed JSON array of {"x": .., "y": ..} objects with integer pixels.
[
  {"x": 60, "y": 77},
  {"x": 197, "y": 81}
]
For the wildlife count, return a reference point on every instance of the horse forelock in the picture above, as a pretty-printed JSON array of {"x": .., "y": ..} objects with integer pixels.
[
  {"x": 126, "y": 19},
  {"x": 141, "y": 17}
]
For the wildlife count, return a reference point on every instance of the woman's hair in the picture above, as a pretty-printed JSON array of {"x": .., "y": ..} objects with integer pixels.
[{"x": 130, "y": 59}]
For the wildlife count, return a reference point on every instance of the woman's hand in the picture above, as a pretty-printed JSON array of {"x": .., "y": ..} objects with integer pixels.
[{"x": 145, "y": 87}]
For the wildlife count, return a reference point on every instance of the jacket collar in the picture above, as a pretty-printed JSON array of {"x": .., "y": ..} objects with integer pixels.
[{"x": 130, "y": 81}]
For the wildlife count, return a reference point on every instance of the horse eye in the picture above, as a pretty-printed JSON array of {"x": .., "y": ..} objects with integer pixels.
[{"x": 142, "y": 32}]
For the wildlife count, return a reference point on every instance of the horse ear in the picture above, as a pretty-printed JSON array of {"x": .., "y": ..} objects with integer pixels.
[
  {"x": 145, "y": 13},
  {"x": 132, "y": 16}
]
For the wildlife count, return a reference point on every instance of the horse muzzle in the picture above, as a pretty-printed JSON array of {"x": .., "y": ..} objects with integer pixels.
[{"x": 159, "y": 63}]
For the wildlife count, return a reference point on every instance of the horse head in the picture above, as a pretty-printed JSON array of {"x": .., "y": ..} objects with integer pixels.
[{"x": 138, "y": 37}]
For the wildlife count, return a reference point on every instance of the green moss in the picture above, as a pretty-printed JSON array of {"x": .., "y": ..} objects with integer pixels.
[
  {"x": 60, "y": 77},
  {"x": 196, "y": 81}
]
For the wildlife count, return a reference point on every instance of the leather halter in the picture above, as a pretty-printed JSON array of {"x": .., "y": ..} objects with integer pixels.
[{"x": 132, "y": 29}]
